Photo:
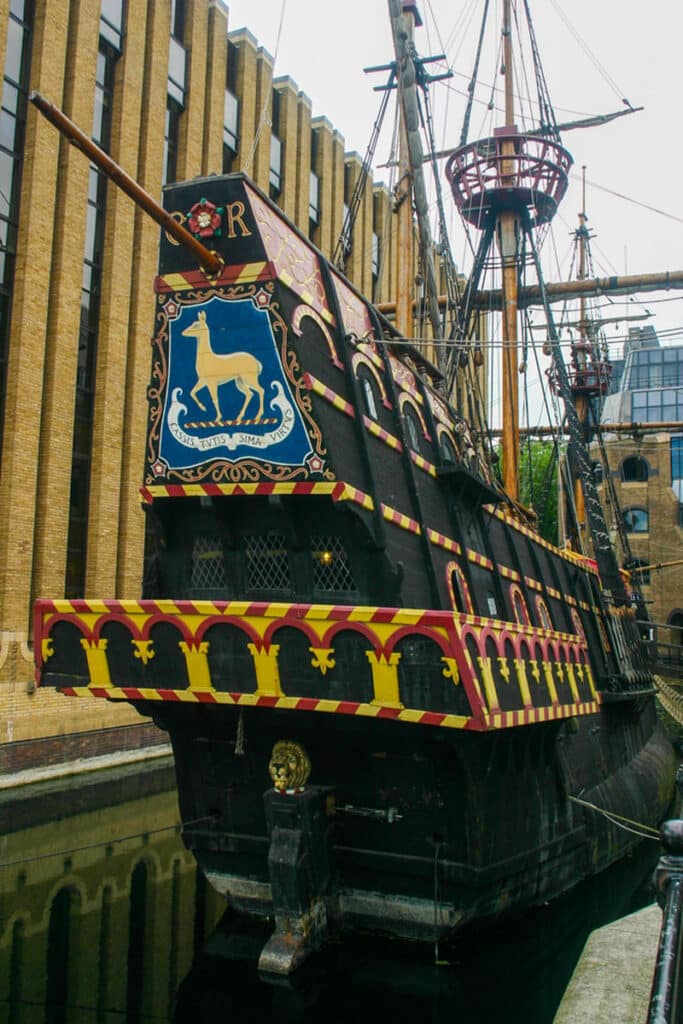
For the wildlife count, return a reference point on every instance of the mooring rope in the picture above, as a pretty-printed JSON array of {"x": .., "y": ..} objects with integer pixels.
[{"x": 644, "y": 831}]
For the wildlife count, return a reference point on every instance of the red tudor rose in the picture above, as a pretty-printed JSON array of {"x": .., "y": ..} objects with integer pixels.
[{"x": 204, "y": 219}]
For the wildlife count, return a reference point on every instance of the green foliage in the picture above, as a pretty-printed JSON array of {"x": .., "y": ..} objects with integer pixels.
[
  {"x": 538, "y": 468},
  {"x": 538, "y": 481}
]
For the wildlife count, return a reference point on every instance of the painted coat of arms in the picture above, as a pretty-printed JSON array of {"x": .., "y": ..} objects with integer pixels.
[{"x": 227, "y": 397}]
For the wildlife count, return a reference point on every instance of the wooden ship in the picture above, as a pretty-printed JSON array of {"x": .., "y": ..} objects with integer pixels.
[{"x": 392, "y": 704}]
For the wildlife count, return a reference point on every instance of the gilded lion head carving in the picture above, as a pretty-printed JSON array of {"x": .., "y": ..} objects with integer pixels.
[{"x": 289, "y": 765}]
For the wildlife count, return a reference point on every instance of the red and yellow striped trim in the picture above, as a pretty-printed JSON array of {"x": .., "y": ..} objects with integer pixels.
[
  {"x": 509, "y": 574},
  {"x": 339, "y": 707},
  {"x": 338, "y": 490},
  {"x": 317, "y": 386},
  {"x": 478, "y": 559},
  {"x": 570, "y": 556},
  {"x": 399, "y": 519},
  {"x": 553, "y": 592},
  {"x": 382, "y": 434},
  {"x": 238, "y": 273},
  {"x": 423, "y": 464},
  {"x": 549, "y": 713},
  {"x": 534, "y": 584},
  {"x": 442, "y": 541}
]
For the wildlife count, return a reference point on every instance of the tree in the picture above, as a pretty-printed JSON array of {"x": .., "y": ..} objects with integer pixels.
[{"x": 538, "y": 484}]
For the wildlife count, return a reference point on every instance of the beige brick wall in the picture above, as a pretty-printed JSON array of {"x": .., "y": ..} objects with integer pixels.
[{"x": 35, "y": 476}]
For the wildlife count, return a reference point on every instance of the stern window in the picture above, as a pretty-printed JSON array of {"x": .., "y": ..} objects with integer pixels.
[
  {"x": 267, "y": 562},
  {"x": 331, "y": 570}
]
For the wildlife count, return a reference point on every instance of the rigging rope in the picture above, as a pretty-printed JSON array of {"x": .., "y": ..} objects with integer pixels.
[
  {"x": 644, "y": 831},
  {"x": 263, "y": 120}
]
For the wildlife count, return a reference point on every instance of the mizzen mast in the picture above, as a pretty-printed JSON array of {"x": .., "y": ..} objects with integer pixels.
[{"x": 507, "y": 185}]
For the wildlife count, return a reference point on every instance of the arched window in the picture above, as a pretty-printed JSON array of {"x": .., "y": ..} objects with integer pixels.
[
  {"x": 543, "y": 613},
  {"x": 519, "y": 605},
  {"x": 368, "y": 394},
  {"x": 636, "y": 520},
  {"x": 447, "y": 449},
  {"x": 412, "y": 428},
  {"x": 634, "y": 469},
  {"x": 458, "y": 589}
]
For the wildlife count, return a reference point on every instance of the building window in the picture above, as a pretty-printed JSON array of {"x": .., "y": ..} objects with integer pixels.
[
  {"x": 111, "y": 23},
  {"x": 275, "y": 176},
  {"x": 374, "y": 264},
  {"x": 634, "y": 469},
  {"x": 171, "y": 139},
  {"x": 677, "y": 466},
  {"x": 230, "y": 130},
  {"x": 636, "y": 520},
  {"x": 177, "y": 55},
  {"x": 656, "y": 405},
  {"x": 12, "y": 125},
  {"x": 178, "y": 19},
  {"x": 88, "y": 333},
  {"x": 346, "y": 230},
  {"x": 313, "y": 202}
]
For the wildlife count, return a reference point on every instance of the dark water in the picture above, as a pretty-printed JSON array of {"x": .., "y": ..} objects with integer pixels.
[{"x": 104, "y": 918}]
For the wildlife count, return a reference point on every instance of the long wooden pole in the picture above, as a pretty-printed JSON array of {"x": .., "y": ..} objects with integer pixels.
[
  {"x": 209, "y": 261},
  {"x": 560, "y": 291},
  {"x": 508, "y": 239},
  {"x": 581, "y": 401},
  {"x": 405, "y": 258}
]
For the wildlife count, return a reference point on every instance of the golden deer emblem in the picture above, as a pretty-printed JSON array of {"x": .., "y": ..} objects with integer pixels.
[{"x": 214, "y": 369}]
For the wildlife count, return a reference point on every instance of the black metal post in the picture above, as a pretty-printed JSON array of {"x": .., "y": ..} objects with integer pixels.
[{"x": 666, "y": 1004}]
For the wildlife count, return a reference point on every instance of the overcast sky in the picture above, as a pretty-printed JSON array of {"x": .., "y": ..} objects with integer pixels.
[{"x": 595, "y": 52}]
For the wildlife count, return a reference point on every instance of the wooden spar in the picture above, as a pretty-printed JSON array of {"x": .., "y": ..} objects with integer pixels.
[
  {"x": 508, "y": 233},
  {"x": 581, "y": 401},
  {"x": 560, "y": 291},
  {"x": 605, "y": 428},
  {"x": 404, "y": 304},
  {"x": 209, "y": 261}
]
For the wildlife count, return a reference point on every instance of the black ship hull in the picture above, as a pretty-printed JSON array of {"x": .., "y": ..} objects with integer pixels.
[{"x": 431, "y": 828}]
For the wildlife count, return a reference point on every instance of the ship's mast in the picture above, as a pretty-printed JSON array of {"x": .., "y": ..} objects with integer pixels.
[
  {"x": 411, "y": 187},
  {"x": 508, "y": 234}
]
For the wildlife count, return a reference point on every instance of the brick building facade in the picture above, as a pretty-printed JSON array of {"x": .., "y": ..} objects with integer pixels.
[
  {"x": 170, "y": 93},
  {"x": 646, "y": 470}
]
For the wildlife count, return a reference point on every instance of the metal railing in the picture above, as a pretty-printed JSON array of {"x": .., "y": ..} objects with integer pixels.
[{"x": 666, "y": 994}]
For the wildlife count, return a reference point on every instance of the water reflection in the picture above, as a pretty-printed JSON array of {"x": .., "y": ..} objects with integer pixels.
[
  {"x": 101, "y": 907},
  {"x": 104, "y": 918}
]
